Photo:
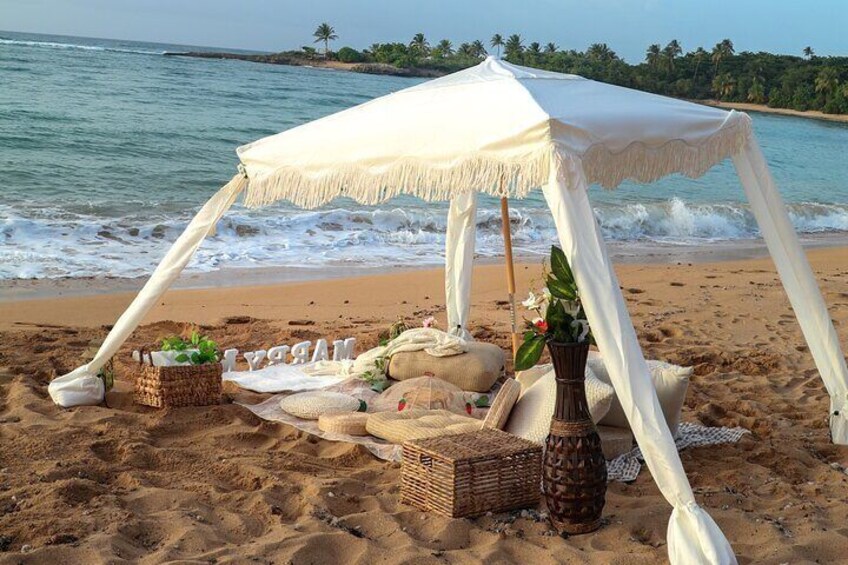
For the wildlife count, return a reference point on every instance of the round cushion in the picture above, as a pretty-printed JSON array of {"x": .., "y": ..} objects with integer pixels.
[
  {"x": 311, "y": 405},
  {"x": 531, "y": 416},
  {"x": 398, "y": 427},
  {"x": 349, "y": 423}
]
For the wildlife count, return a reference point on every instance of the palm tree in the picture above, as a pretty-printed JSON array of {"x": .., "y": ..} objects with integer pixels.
[
  {"x": 497, "y": 42},
  {"x": 721, "y": 51},
  {"x": 465, "y": 50},
  {"x": 513, "y": 47},
  {"x": 478, "y": 49},
  {"x": 756, "y": 93},
  {"x": 723, "y": 85},
  {"x": 419, "y": 45},
  {"x": 551, "y": 48},
  {"x": 601, "y": 52},
  {"x": 826, "y": 81},
  {"x": 445, "y": 48},
  {"x": 325, "y": 33},
  {"x": 671, "y": 51},
  {"x": 808, "y": 52},
  {"x": 699, "y": 54},
  {"x": 653, "y": 55}
]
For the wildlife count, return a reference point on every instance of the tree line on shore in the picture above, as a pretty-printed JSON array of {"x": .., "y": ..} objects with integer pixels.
[{"x": 807, "y": 82}]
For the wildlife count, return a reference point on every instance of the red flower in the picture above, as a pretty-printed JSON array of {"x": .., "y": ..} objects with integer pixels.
[
  {"x": 401, "y": 404},
  {"x": 469, "y": 408},
  {"x": 541, "y": 325}
]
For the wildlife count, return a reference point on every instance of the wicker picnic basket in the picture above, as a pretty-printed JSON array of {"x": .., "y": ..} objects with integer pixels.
[
  {"x": 470, "y": 474},
  {"x": 177, "y": 385}
]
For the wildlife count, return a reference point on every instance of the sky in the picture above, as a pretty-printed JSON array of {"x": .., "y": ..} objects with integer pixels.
[{"x": 627, "y": 26}]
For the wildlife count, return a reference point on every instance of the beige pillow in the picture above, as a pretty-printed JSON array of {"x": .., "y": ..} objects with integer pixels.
[
  {"x": 398, "y": 427},
  {"x": 313, "y": 404},
  {"x": 504, "y": 402},
  {"x": 475, "y": 370},
  {"x": 670, "y": 381},
  {"x": 531, "y": 416}
]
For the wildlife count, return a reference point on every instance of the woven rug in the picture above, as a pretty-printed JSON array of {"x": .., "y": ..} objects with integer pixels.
[{"x": 625, "y": 468}]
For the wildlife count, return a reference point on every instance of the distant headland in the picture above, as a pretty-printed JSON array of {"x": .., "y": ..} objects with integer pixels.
[{"x": 808, "y": 85}]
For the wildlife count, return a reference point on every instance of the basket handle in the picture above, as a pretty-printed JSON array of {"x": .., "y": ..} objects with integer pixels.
[{"x": 141, "y": 353}]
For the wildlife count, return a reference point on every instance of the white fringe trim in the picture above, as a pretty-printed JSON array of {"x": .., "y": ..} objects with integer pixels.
[{"x": 514, "y": 178}]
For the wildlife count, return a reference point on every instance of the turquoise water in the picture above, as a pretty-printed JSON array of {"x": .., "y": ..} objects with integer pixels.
[{"x": 107, "y": 148}]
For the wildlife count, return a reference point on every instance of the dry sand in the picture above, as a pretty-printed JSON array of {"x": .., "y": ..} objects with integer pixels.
[{"x": 127, "y": 483}]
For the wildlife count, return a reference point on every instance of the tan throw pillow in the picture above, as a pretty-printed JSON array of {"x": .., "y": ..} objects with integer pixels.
[
  {"x": 671, "y": 383},
  {"x": 531, "y": 416},
  {"x": 311, "y": 405},
  {"x": 475, "y": 370},
  {"x": 398, "y": 427}
]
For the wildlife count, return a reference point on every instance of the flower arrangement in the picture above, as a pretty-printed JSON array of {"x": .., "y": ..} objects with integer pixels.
[
  {"x": 559, "y": 313},
  {"x": 198, "y": 349}
]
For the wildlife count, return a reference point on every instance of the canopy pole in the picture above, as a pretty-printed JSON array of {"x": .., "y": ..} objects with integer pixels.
[{"x": 510, "y": 271}]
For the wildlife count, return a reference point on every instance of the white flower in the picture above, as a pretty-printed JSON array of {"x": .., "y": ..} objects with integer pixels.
[
  {"x": 532, "y": 301},
  {"x": 546, "y": 293},
  {"x": 583, "y": 325},
  {"x": 572, "y": 307}
]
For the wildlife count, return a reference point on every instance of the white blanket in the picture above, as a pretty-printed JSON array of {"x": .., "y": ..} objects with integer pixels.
[{"x": 282, "y": 378}]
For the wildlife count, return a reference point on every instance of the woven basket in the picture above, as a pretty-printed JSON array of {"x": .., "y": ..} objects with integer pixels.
[
  {"x": 471, "y": 474},
  {"x": 352, "y": 424},
  {"x": 501, "y": 408},
  {"x": 178, "y": 385}
]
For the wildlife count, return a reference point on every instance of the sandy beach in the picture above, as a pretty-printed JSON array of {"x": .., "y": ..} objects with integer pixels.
[
  {"x": 128, "y": 483},
  {"x": 746, "y": 107}
]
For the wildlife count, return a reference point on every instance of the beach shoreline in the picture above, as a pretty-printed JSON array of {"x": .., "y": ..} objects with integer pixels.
[
  {"x": 763, "y": 109},
  {"x": 628, "y": 253}
]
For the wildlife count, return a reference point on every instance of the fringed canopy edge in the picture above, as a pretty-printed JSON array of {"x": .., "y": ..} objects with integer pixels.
[{"x": 514, "y": 178}]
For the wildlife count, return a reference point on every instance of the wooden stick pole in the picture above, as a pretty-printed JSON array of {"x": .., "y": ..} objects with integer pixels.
[{"x": 510, "y": 272}]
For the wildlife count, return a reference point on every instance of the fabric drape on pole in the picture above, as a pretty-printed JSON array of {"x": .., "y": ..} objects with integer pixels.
[
  {"x": 82, "y": 386},
  {"x": 459, "y": 261},
  {"x": 798, "y": 280},
  {"x": 693, "y": 537}
]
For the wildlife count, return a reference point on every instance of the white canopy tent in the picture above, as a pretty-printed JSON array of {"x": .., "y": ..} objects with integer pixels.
[{"x": 504, "y": 130}]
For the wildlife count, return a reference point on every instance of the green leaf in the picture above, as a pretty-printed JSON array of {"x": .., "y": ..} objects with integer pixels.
[
  {"x": 560, "y": 266},
  {"x": 555, "y": 316},
  {"x": 529, "y": 353},
  {"x": 482, "y": 402},
  {"x": 561, "y": 290},
  {"x": 363, "y": 406},
  {"x": 196, "y": 358},
  {"x": 181, "y": 358}
]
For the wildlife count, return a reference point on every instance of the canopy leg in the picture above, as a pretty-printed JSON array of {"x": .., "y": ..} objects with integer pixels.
[{"x": 510, "y": 273}]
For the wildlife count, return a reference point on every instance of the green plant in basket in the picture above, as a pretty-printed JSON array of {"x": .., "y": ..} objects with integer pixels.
[
  {"x": 198, "y": 349},
  {"x": 560, "y": 316}
]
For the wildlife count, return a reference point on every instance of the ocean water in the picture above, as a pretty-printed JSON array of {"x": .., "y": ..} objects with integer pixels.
[{"x": 107, "y": 148}]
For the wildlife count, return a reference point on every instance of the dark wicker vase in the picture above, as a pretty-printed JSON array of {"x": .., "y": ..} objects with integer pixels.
[{"x": 574, "y": 471}]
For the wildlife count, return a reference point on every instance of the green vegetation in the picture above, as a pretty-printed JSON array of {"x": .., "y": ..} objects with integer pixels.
[
  {"x": 198, "y": 349},
  {"x": 781, "y": 81}
]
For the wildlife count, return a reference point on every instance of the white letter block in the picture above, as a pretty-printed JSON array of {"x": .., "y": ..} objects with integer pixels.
[
  {"x": 277, "y": 355},
  {"x": 253, "y": 358},
  {"x": 320, "y": 353},
  {"x": 300, "y": 352},
  {"x": 229, "y": 360},
  {"x": 343, "y": 349}
]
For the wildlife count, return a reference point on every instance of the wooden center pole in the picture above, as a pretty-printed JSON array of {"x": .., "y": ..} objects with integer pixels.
[{"x": 510, "y": 272}]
